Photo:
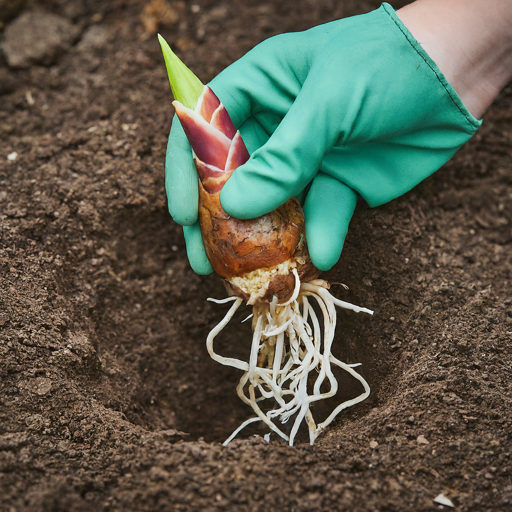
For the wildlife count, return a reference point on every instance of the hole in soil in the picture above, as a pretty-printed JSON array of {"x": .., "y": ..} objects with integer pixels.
[
  {"x": 207, "y": 404},
  {"x": 152, "y": 320}
]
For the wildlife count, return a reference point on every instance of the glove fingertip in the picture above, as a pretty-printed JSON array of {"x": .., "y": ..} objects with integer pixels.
[
  {"x": 183, "y": 216},
  {"x": 325, "y": 241},
  {"x": 247, "y": 195},
  {"x": 234, "y": 202},
  {"x": 195, "y": 250},
  {"x": 229, "y": 199},
  {"x": 325, "y": 258},
  {"x": 200, "y": 266},
  {"x": 328, "y": 209}
]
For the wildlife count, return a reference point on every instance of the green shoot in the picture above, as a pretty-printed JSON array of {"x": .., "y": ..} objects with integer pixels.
[{"x": 185, "y": 86}]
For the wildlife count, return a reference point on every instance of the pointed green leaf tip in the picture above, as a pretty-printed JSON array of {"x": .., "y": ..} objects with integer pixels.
[{"x": 185, "y": 86}]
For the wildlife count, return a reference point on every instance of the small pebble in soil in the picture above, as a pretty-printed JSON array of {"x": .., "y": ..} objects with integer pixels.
[
  {"x": 422, "y": 440},
  {"x": 443, "y": 500},
  {"x": 410, "y": 420}
]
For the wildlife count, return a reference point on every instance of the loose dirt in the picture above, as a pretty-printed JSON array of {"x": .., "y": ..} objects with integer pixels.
[{"x": 108, "y": 399}]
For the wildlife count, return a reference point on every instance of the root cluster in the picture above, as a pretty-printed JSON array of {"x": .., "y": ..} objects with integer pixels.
[{"x": 287, "y": 346}]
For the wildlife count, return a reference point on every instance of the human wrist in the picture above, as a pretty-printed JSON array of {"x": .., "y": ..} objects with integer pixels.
[{"x": 471, "y": 43}]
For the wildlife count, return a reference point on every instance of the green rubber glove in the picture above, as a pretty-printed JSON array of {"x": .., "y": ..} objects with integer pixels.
[{"x": 352, "y": 107}]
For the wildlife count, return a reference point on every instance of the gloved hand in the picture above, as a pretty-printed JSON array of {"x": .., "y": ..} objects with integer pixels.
[{"x": 351, "y": 107}]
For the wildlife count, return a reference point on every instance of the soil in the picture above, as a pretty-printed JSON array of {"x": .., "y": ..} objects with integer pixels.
[{"x": 108, "y": 398}]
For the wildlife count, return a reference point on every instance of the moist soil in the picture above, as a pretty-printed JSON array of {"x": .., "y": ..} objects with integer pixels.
[{"x": 108, "y": 398}]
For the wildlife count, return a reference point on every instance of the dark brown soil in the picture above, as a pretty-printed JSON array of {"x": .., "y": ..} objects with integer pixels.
[{"x": 108, "y": 399}]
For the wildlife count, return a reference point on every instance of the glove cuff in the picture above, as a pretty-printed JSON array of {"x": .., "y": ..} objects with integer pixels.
[
  {"x": 455, "y": 98},
  {"x": 417, "y": 139}
]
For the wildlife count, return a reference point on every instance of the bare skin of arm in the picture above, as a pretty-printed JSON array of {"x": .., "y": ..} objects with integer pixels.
[{"x": 470, "y": 41}]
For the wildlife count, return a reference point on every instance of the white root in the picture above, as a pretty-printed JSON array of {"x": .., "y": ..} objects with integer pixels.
[
  {"x": 240, "y": 428},
  {"x": 288, "y": 345}
]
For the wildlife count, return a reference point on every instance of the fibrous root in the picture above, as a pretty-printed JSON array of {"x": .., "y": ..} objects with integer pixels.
[{"x": 287, "y": 346}]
